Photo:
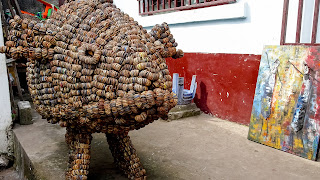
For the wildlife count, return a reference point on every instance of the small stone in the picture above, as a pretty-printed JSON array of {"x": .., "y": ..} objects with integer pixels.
[{"x": 25, "y": 115}]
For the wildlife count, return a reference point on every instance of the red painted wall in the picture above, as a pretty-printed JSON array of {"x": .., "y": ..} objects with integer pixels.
[{"x": 226, "y": 82}]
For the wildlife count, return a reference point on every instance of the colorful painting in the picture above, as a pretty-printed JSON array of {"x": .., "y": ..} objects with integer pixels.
[{"x": 286, "y": 112}]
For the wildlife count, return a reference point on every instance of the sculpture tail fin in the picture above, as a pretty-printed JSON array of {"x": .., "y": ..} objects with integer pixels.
[{"x": 164, "y": 41}]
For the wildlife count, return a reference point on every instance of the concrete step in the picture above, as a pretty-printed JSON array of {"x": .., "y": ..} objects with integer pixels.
[{"x": 183, "y": 111}]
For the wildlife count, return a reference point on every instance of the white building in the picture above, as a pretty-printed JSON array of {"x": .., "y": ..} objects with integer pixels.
[
  {"x": 5, "y": 106},
  {"x": 223, "y": 44}
]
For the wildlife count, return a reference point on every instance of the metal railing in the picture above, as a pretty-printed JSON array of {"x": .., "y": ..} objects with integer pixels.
[
  {"x": 299, "y": 24},
  {"x": 150, "y": 7}
]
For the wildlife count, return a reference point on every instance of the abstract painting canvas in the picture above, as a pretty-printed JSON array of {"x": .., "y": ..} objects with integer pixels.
[{"x": 286, "y": 107}]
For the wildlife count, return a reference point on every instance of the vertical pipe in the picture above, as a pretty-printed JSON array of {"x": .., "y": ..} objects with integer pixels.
[
  {"x": 3, "y": 19},
  {"x": 17, "y": 7},
  {"x": 189, "y": 2},
  {"x": 175, "y": 3},
  {"x": 16, "y": 77},
  {"x": 152, "y": 5},
  {"x": 143, "y": 6},
  {"x": 299, "y": 20},
  {"x": 315, "y": 22},
  {"x": 148, "y": 6},
  {"x": 163, "y": 4},
  {"x": 169, "y": 3},
  {"x": 284, "y": 21},
  {"x": 158, "y": 7},
  {"x": 11, "y": 9}
]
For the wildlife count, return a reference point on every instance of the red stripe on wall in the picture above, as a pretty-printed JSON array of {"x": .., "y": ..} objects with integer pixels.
[{"x": 226, "y": 82}]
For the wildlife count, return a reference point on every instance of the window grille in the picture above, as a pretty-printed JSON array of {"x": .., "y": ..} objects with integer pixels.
[
  {"x": 314, "y": 26},
  {"x": 150, "y": 7}
]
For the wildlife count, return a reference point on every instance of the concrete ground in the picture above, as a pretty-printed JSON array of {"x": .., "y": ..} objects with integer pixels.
[
  {"x": 9, "y": 174},
  {"x": 200, "y": 147}
]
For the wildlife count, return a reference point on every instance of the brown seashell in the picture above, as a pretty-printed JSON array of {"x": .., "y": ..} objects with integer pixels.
[
  {"x": 10, "y": 44},
  {"x": 116, "y": 66},
  {"x": 24, "y": 23},
  {"x": 134, "y": 73},
  {"x": 4, "y": 49},
  {"x": 141, "y": 117},
  {"x": 38, "y": 53}
]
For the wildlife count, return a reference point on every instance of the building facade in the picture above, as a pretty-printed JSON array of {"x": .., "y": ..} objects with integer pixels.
[{"x": 223, "y": 46}]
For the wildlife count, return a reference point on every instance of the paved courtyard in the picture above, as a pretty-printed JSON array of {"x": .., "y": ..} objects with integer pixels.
[{"x": 200, "y": 147}]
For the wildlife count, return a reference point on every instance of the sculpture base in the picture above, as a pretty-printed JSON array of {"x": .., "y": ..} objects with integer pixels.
[{"x": 183, "y": 111}]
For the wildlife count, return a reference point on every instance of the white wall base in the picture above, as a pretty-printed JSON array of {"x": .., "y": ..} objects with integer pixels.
[
  {"x": 5, "y": 106},
  {"x": 3, "y": 142}
]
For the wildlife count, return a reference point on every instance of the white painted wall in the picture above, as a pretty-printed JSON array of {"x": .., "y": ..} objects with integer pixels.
[
  {"x": 307, "y": 21},
  {"x": 240, "y": 28},
  {"x": 5, "y": 107}
]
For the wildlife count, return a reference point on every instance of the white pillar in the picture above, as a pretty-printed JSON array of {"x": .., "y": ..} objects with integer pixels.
[{"x": 5, "y": 107}]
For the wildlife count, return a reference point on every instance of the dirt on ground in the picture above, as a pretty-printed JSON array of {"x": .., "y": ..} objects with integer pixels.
[{"x": 8, "y": 174}]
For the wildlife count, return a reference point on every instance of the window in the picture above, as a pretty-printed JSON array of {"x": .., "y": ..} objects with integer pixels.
[
  {"x": 150, "y": 7},
  {"x": 300, "y": 23}
]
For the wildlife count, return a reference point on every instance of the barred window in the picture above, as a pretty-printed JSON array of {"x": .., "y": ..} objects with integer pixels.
[
  {"x": 150, "y": 7},
  {"x": 300, "y": 23}
]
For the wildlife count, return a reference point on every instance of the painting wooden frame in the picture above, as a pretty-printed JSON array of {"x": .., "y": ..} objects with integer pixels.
[{"x": 286, "y": 107}]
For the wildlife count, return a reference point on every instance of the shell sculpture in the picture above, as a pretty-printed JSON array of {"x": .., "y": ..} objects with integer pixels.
[{"x": 92, "y": 68}]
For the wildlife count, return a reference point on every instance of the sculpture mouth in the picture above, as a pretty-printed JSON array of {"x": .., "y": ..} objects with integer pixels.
[{"x": 89, "y": 53}]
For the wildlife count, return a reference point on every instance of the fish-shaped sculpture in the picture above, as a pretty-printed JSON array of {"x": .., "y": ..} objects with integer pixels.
[{"x": 92, "y": 68}]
